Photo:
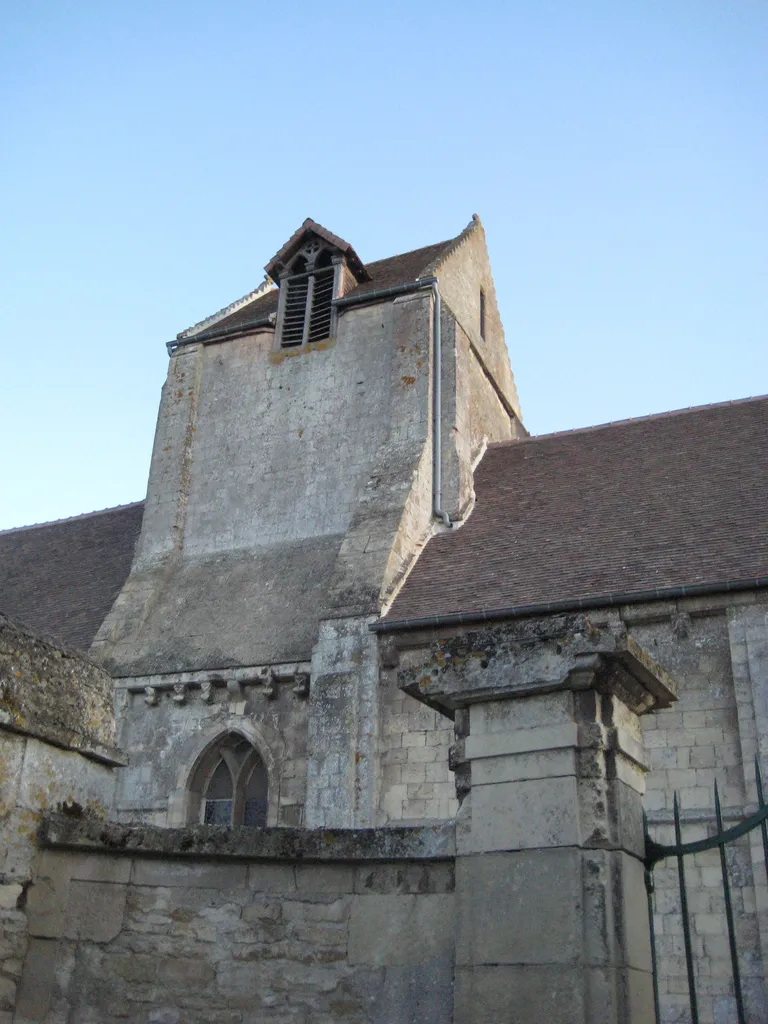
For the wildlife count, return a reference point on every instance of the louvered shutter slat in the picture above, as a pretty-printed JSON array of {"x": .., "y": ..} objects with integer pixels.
[
  {"x": 295, "y": 312},
  {"x": 320, "y": 316}
]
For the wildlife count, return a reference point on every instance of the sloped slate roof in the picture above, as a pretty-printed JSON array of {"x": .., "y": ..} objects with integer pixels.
[
  {"x": 679, "y": 499},
  {"x": 60, "y": 579},
  {"x": 386, "y": 273}
]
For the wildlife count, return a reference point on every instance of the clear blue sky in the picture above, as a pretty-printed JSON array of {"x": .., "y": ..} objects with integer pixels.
[{"x": 155, "y": 155}]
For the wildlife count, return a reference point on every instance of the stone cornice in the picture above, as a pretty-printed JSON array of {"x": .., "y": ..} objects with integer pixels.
[{"x": 538, "y": 656}]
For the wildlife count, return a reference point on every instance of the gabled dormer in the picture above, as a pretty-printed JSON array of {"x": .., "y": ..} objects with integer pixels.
[{"x": 313, "y": 268}]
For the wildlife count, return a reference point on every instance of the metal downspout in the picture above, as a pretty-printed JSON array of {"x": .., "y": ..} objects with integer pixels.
[
  {"x": 437, "y": 409},
  {"x": 380, "y": 294}
]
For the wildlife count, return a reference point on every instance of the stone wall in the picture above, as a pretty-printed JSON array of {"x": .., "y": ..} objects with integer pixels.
[
  {"x": 461, "y": 275},
  {"x": 267, "y": 926},
  {"x": 376, "y": 755},
  {"x": 263, "y": 462},
  {"x": 56, "y": 749},
  {"x": 709, "y": 735},
  {"x": 54, "y": 694},
  {"x": 716, "y": 651},
  {"x": 415, "y": 781},
  {"x": 168, "y": 722}
]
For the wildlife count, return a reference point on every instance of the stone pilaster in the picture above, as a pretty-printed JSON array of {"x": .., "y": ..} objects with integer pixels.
[
  {"x": 552, "y": 915},
  {"x": 342, "y": 726}
]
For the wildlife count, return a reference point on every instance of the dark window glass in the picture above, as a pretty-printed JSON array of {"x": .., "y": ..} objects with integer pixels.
[
  {"x": 218, "y": 797},
  {"x": 255, "y": 813},
  {"x": 236, "y": 791},
  {"x": 220, "y": 786},
  {"x": 218, "y": 812}
]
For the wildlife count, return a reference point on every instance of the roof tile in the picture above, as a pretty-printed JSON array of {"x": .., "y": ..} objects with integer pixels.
[
  {"x": 60, "y": 579},
  {"x": 386, "y": 273},
  {"x": 665, "y": 501}
]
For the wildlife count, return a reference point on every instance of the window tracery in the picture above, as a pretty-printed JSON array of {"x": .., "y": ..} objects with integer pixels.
[
  {"x": 230, "y": 785},
  {"x": 309, "y": 287}
]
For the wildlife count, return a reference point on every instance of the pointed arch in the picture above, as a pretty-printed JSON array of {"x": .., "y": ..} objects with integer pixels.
[
  {"x": 201, "y": 756},
  {"x": 229, "y": 784}
]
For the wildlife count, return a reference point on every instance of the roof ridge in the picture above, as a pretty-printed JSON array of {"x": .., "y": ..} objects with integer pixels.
[
  {"x": 452, "y": 246},
  {"x": 667, "y": 414},
  {"x": 410, "y": 252},
  {"x": 71, "y": 519},
  {"x": 444, "y": 249},
  {"x": 263, "y": 289}
]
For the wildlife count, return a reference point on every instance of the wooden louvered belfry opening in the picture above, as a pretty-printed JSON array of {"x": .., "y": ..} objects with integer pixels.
[
  {"x": 295, "y": 310},
  {"x": 309, "y": 292}
]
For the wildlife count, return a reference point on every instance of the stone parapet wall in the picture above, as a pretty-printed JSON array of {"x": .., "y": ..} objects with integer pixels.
[
  {"x": 56, "y": 748},
  {"x": 209, "y": 926},
  {"x": 55, "y": 694}
]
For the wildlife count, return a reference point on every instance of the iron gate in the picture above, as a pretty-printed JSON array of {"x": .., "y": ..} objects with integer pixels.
[{"x": 655, "y": 852}]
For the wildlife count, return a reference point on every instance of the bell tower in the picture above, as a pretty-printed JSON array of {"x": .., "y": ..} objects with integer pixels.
[{"x": 302, "y": 436}]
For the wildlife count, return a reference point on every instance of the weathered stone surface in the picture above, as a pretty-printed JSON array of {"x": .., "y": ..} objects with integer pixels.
[
  {"x": 414, "y": 777},
  {"x": 538, "y": 656},
  {"x": 376, "y": 844},
  {"x": 9, "y": 895},
  {"x": 326, "y": 878},
  {"x": 436, "y": 877},
  {"x": 272, "y": 877},
  {"x": 169, "y": 739},
  {"x": 400, "y": 930},
  {"x": 94, "y": 911},
  {"x": 524, "y": 815},
  {"x": 518, "y": 995},
  {"x": 54, "y": 694},
  {"x": 418, "y": 993},
  {"x": 343, "y": 726},
  {"x": 359, "y": 406},
  {"x": 555, "y": 994},
  {"x": 540, "y": 892},
  {"x": 37, "y": 983},
  {"x": 56, "y": 749},
  {"x": 162, "y": 872},
  {"x": 227, "y": 940}
]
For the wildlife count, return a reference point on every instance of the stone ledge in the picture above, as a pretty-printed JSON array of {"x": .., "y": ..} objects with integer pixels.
[{"x": 423, "y": 842}]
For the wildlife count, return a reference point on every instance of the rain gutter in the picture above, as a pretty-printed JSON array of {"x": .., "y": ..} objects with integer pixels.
[
  {"x": 569, "y": 605},
  {"x": 222, "y": 333}
]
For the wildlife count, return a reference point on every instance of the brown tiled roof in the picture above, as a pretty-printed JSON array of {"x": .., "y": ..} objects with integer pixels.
[
  {"x": 60, "y": 579},
  {"x": 386, "y": 273},
  {"x": 679, "y": 499},
  {"x": 276, "y": 264},
  {"x": 262, "y": 306},
  {"x": 402, "y": 269}
]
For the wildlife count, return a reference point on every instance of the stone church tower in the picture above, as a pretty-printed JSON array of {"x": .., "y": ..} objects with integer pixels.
[
  {"x": 311, "y": 438},
  {"x": 356, "y": 593}
]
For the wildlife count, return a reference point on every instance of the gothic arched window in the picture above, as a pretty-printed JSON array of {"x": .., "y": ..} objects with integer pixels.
[
  {"x": 308, "y": 286},
  {"x": 230, "y": 785}
]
